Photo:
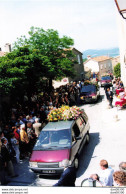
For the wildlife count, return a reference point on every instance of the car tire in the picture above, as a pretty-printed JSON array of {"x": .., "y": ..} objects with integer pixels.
[
  {"x": 87, "y": 138},
  {"x": 76, "y": 163},
  {"x": 96, "y": 99}
]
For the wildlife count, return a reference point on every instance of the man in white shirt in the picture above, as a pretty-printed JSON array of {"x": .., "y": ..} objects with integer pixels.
[
  {"x": 106, "y": 175},
  {"x": 37, "y": 127}
]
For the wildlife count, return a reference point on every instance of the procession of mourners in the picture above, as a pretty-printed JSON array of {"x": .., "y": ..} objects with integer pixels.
[{"x": 20, "y": 130}]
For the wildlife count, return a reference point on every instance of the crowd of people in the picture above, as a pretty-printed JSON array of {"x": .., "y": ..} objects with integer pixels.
[
  {"x": 19, "y": 132},
  {"x": 116, "y": 84}
]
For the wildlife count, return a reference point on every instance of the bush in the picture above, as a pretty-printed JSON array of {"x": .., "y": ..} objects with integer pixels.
[{"x": 117, "y": 70}]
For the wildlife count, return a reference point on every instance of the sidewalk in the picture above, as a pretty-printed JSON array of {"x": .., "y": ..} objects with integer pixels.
[{"x": 111, "y": 126}]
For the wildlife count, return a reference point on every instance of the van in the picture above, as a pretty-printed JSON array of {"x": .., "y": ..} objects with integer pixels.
[
  {"x": 58, "y": 141},
  {"x": 89, "y": 93}
]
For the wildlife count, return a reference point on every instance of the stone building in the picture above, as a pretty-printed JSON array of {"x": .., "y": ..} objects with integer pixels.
[
  {"x": 78, "y": 67},
  {"x": 99, "y": 66}
]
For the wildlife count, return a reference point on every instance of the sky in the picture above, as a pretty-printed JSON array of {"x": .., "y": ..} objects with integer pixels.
[{"x": 91, "y": 23}]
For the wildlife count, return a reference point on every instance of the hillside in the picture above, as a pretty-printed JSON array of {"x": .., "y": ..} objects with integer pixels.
[{"x": 101, "y": 52}]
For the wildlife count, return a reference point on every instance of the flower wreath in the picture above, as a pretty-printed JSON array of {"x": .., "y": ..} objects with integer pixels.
[{"x": 64, "y": 113}]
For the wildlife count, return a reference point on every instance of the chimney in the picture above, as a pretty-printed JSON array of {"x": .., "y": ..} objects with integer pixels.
[{"x": 7, "y": 47}]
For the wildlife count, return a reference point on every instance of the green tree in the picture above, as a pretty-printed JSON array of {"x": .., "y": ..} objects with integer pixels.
[
  {"x": 21, "y": 71},
  {"x": 43, "y": 55},
  {"x": 117, "y": 70},
  {"x": 58, "y": 56}
]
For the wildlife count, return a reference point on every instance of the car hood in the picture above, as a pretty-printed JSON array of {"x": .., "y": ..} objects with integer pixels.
[{"x": 50, "y": 155}]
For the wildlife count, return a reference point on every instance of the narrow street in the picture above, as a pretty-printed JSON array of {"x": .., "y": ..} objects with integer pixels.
[{"x": 107, "y": 141}]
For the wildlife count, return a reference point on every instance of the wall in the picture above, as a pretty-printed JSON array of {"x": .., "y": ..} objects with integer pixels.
[
  {"x": 93, "y": 65},
  {"x": 79, "y": 66},
  {"x": 115, "y": 61},
  {"x": 122, "y": 45},
  {"x": 105, "y": 67},
  {"x": 79, "y": 70}
]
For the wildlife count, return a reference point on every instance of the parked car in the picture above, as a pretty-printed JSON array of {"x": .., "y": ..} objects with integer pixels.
[
  {"x": 58, "y": 141},
  {"x": 89, "y": 93},
  {"x": 106, "y": 80}
]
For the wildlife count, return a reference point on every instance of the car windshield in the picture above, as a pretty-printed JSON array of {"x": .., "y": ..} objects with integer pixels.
[
  {"x": 53, "y": 140},
  {"x": 88, "y": 89},
  {"x": 106, "y": 78}
]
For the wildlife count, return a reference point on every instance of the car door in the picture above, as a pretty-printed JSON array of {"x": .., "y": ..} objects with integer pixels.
[
  {"x": 76, "y": 141},
  {"x": 83, "y": 131}
]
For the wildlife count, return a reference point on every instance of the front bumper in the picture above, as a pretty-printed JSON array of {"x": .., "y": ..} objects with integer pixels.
[
  {"x": 47, "y": 168},
  {"x": 104, "y": 83},
  {"x": 47, "y": 171},
  {"x": 88, "y": 99}
]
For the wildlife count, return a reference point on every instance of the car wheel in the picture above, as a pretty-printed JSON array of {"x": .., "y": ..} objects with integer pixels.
[
  {"x": 87, "y": 138},
  {"x": 76, "y": 163}
]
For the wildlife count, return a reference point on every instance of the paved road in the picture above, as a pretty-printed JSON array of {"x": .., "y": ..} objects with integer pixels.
[{"x": 107, "y": 141}]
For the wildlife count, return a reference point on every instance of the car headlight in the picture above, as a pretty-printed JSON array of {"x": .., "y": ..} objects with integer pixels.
[
  {"x": 94, "y": 97},
  {"x": 33, "y": 164},
  {"x": 64, "y": 164}
]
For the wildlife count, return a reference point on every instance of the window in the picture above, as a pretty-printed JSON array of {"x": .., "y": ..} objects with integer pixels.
[
  {"x": 81, "y": 123},
  {"x": 78, "y": 59},
  {"x": 75, "y": 132},
  {"x": 101, "y": 66},
  {"x": 105, "y": 66}
]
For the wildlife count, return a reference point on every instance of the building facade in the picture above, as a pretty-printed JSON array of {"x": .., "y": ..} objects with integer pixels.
[
  {"x": 121, "y": 22},
  {"x": 100, "y": 65},
  {"x": 78, "y": 68},
  {"x": 115, "y": 61}
]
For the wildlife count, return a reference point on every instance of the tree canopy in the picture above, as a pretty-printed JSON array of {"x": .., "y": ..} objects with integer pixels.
[
  {"x": 55, "y": 50},
  {"x": 42, "y": 55}
]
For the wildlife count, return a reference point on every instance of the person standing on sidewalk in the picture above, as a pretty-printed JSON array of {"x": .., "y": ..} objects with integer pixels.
[
  {"x": 109, "y": 95},
  {"x": 7, "y": 158},
  {"x": 15, "y": 146},
  {"x": 37, "y": 126},
  {"x": 106, "y": 175}
]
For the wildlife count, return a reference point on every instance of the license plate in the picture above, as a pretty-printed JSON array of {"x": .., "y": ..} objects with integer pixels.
[{"x": 48, "y": 171}]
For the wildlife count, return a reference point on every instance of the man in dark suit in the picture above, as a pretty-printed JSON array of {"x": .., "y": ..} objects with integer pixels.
[
  {"x": 7, "y": 158},
  {"x": 68, "y": 176},
  {"x": 106, "y": 86},
  {"x": 109, "y": 95}
]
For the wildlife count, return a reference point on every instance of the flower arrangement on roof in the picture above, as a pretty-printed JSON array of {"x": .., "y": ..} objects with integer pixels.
[
  {"x": 64, "y": 113},
  {"x": 87, "y": 82}
]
